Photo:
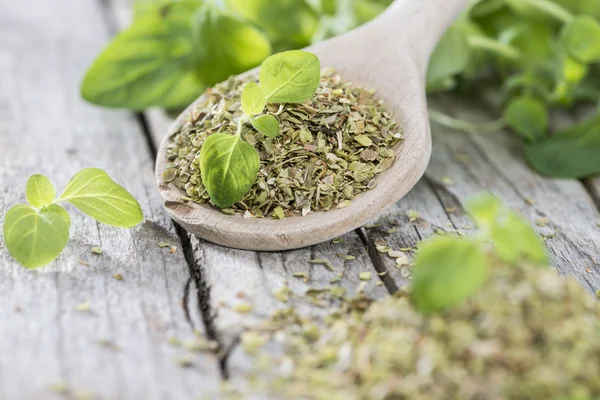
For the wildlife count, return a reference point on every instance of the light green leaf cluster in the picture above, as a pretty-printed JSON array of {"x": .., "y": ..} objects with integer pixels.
[
  {"x": 36, "y": 234},
  {"x": 527, "y": 116},
  {"x": 289, "y": 77},
  {"x": 449, "y": 269},
  {"x": 513, "y": 238},
  {"x": 543, "y": 55},
  {"x": 176, "y": 48},
  {"x": 149, "y": 64},
  {"x": 225, "y": 45},
  {"x": 229, "y": 166},
  {"x": 571, "y": 152}
]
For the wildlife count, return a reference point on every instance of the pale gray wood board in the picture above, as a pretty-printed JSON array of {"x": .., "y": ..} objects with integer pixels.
[
  {"x": 45, "y": 127},
  {"x": 224, "y": 277}
]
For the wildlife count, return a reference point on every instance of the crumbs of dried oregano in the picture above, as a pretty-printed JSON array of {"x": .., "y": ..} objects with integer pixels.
[
  {"x": 331, "y": 148},
  {"x": 527, "y": 335}
]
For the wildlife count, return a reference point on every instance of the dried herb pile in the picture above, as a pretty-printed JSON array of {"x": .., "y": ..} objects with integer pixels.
[
  {"x": 528, "y": 334},
  {"x": 331, "y": 148}
]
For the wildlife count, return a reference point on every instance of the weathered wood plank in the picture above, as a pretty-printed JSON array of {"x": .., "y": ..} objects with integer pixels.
[{"x": 46, "y": 128}]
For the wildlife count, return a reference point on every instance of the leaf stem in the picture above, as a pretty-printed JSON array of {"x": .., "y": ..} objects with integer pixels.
[
  {"x": 466, "y": 126},
  {"x": 239, "y": 129},
  {"x": 504, "y": 50},
  {"x": 551, "y": 9}
]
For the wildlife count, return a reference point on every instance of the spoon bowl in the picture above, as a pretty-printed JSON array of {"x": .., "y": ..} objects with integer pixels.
[{"x": 390, "y": 54}]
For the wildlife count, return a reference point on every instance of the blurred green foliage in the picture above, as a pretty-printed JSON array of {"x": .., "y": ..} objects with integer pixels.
[
  {"x": 176, "y": 48},
  {"x": 537, "y": 55},
  {"x": 449, "y": 269}
]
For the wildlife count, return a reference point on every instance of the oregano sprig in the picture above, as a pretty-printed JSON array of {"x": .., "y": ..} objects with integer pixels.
[
  {"x": 36, "y": 233},
  {"x": 229, "y": 166}
]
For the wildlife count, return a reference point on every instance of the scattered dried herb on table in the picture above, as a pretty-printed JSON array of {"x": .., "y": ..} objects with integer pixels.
[
  {"x": 528, "y": 334},
  {"x": 331, "y": 148}
]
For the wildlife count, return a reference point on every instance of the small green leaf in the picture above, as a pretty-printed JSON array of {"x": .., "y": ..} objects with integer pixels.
[
  {"x": 253, "y": 99},
  {"x": 573, "y": 71},
  {"x": 93, "y": 192},
  {"x": 290, "y": 77},
  {"x": 484, "y": 209},
  {"x": 148, "y": 65},
  {"x": 40, "y": 191},
  {"x": 450, "y": 58},
  {"x": 581, "y": 38},
  {"x": 366, "y": 10},
  {"x": 289, "y": 24},
  {"x": 35, "y": 238},
  {"x": 229, "y": 167},
  {"x": 267, "y": 125},
  {"x": 447, "y": 270},
  {"x": 569, "y": 154},
  {"x": 527, "y": 116},
  {"x": 514, "y": 239},
  {"x": 226, "y": 45}
]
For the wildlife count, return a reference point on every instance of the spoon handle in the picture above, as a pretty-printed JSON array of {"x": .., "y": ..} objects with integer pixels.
[{"x": 419, "y": 24}]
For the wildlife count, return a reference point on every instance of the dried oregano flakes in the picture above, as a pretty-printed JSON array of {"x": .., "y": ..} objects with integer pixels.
[{"x": 329, "y": 149}]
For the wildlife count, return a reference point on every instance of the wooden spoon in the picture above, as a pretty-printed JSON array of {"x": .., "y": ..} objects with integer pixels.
[{"x": 390, "y": 54}]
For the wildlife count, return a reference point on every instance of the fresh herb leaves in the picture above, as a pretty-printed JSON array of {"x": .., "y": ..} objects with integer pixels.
[
  {"x": 176, "y": 48},
  {"x": 150, "y": 64},
  {"x": 36, "y": 237},
  {"x": 225, "y": 45},
  {"x": 290, "y": 77},
  {"x": 267, "y": 125},
  {"x": 94, "y": 193},
  {"x": 527, "y": 116},
  {"x": 569, "y": 153},
  {"x": 229, "y": 166},
  {"x": 581, "y": 38},
  {"x": 253, "y": 99},
  {"x": 39, "y": 191},
  {"x": 544, "y": 55},
  {"x": 449, "y": 269},
  {"x": 36, "y": 234}
]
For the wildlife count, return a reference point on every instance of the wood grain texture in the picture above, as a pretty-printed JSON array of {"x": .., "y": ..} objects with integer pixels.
[
  {"x": 119, "y": 349},
  {"x": 396, "y": 68}
]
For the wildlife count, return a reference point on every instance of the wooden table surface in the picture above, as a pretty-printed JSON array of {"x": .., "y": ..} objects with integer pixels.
[{"x": 123, "y": 348}]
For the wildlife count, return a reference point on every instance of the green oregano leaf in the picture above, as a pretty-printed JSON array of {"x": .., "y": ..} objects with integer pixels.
[
  {"x": 253, "y": 99},
  {"x": 571, "y": 153},
  {"x": 40, "y": 191},
  {"x": 151, "y": 64},
  {"x": 35, "y": 238},
  {"x": 528, "y": 117},
  {"x": 225, "y": 44},
  {"x": 267, "y": 125},
  {"x": 513, "y": 238},
  {"x": 290, "y": 77},
  {"x": 94, "y": 193},
  {"x": 289, "y": 24},
  {"x": 229, "y": 167},
  {"x": 447, "y": 270},
  {"x": 451, "y": 57},
  {"x": 581, "y": 38}
]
